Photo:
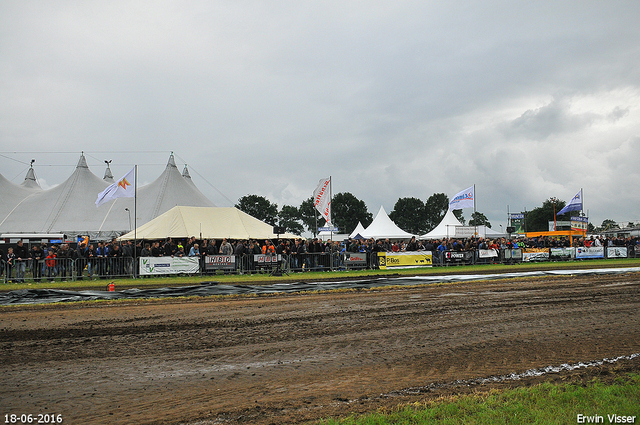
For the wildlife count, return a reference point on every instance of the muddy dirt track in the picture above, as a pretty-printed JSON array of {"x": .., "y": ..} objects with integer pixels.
[{"x": 294, "y": 358}]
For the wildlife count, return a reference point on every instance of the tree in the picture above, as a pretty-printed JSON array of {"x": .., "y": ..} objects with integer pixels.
[
  {"x": 309, "y": 216},
  {"x": 609, "y": 224},
  {"x": 259, "y": 207},
  {"x": 409, "y": 215},
  {"x": 479, "y": 219},
  {"x": 347, "y": 211},
  {"x": 289, "y": 217},
  {"x": 537, "y": 220},
  {"x": 434, "y": 210}
]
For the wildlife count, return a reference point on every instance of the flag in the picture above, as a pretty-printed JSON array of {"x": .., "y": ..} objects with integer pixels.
[
  {"x": 322, "y": 199},
  {"x": 464, "y": 199},
  {"x": 574, "y": 205},
  {"x": 123, "y": 188}
]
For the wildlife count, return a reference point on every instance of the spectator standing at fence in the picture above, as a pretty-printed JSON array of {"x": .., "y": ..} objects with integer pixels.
[
  {"x": 115, "y": 260},
  {"x": 22, "y": 256},
  {"x": 101, "y": 259},
  {"x": 90, "y": 258},
  {"x": 64, "y": 259},
  {"x": 226, "y": 248},
  {"x": 127, "y": 254},
  {"x": 10, "y": 261},
  {"x": 37, "y": 255},
  {"x": 3, "y": 261},
  {"x": 213, "y": 248},
  {"x": 51, "y": 263},
  {"x": 194, "y": 251}
]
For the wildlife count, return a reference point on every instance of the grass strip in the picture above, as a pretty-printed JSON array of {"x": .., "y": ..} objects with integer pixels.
[{"x": 547, "y": 403}]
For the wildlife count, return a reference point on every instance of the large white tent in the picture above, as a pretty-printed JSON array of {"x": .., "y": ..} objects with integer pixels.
[
  {"x": 205, "y": 223},
  {"x": 69, "y": 208},
  {"x": 382, "y": 227}
]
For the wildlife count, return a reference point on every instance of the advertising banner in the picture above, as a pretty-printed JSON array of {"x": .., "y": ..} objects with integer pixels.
[
  {"x": 355, "y": 259},
  {"x": 487, "y": 253},
  {"x": 517, "y": 222},
  {"x": 465, "y": 231},
  {"x": 535, "y": 254},
  {"x": 593, "y": 252},
  {"x": 458, "y": 256},
  {"x": 220, "y": 262},
  {"x": 408, "y": 259},
  {"x": 579, "y": 223},
  {"x": 563, "y": 253},
  {"x": 169, "y": 265},
  {"x": 267, "y": 259},
  {"x": 617, "y": 252}
]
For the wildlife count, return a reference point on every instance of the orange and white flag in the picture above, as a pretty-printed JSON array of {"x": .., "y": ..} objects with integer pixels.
[{"x": 123, "y": 188}]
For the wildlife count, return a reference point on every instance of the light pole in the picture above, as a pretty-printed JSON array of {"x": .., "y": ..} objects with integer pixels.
[{"x": 127, "y": 210}]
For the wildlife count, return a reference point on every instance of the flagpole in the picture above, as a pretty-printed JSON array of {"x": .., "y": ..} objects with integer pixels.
[
  {"x": 474, "y": 210},
  {"x": 135, "y": 224},
  {"x": 330, "y": 221}
]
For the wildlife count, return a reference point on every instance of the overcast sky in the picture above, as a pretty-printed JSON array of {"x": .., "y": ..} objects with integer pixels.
[{"x": 526, "y": 100}]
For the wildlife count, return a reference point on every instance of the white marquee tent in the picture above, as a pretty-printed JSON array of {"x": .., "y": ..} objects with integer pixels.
[
  {"x": 69, "y": 208},
  {"x": 382, "y": 227},
  {"x": 205, "y": 223}
]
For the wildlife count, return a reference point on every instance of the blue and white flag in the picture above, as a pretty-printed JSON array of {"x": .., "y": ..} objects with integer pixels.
[
  {"x": 574, "y": 205},
  {"x": 464, "y": 199}
]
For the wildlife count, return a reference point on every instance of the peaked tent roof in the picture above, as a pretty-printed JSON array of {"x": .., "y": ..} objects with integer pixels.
[
  {"x": 60, "y": 209},
  {"x": 446, "y": 228},
  {"x": 206, "y": 223},
  {"x": 12, "y": 194},
  {"x": 30, "y": 181},
  {"x": 108, "y": 175},
  {"x": 70, "y": 207},
  {"x": 383, "y": 227},
  {"x": 357, "y": 231}
]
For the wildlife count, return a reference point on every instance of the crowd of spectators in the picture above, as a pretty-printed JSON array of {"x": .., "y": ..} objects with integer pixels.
[{"x": 115, "y": 258}]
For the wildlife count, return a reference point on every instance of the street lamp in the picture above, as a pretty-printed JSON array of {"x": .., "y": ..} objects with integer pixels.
[{"x": 127, "y": 210}]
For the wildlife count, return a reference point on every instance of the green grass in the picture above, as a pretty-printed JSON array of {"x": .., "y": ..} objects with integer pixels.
[
  {"x": 263, "y": 278},
  {"x": 541, "y": 404}
]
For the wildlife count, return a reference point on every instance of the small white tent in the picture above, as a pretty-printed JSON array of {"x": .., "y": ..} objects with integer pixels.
[
  {"x": 357, "y": 231},
  {"x": 383, "y": 227},
  {"x": 446, "y": 228},
  {"x": 205, "y": 223}
]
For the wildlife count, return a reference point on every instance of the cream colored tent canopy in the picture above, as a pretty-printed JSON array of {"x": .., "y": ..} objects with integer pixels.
[{"x": 205, "y": 223}]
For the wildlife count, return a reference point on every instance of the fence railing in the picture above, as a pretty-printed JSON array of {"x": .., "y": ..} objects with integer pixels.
[{"x": 66, "y": 269}]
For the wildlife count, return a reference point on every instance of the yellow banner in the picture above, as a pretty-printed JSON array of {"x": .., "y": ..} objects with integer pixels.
[{"x": 405, "y": 259}]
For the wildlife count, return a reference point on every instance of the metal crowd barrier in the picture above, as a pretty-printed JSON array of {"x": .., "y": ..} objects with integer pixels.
[{"x": 66, "y": 269}]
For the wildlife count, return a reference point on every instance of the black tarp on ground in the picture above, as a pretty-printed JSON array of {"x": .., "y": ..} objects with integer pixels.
[{"x": 41, "y": 296}]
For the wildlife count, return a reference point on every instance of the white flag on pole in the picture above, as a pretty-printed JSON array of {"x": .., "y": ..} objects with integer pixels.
[
  {"x": 322, "y": 199},
  {"x": 464, "y": 199},
  {"x": 123, "y": 188}
]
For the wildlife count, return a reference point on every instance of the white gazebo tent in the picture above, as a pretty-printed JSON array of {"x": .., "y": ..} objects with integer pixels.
[
  {"x": 383, "y": 227},
  {"x": 357, "y": 231},
  {"x": 446, "y": 228}
]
